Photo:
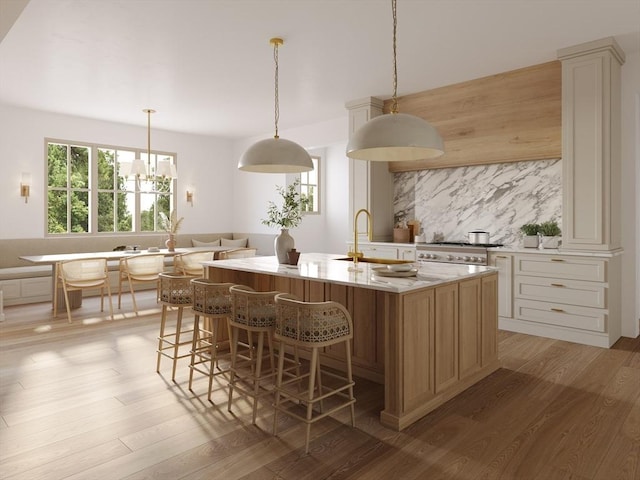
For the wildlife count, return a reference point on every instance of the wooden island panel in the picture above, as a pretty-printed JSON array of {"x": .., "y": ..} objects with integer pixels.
[
  {"x": 425, "y": 345},
  {"x": 470, "y": 357}
]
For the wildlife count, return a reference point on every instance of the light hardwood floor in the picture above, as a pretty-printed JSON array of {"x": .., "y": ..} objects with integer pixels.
[{"x": 83, "y": 401}]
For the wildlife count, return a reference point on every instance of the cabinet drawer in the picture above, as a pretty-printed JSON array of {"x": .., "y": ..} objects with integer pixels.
[
  {"x": 36, "y": 287},
  {"x": 558, "y": 266},
  {"x": 10, "y": 289},
  {"x": 379, "y": 252},
  {"x": 568, "y": 292},
  {"x": 570, "y": 316}
]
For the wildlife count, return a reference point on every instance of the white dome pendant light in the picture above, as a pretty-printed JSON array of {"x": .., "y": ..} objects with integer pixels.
[
  {"x": 395, "y": 137},
  {"x": 275, "y": 155}
]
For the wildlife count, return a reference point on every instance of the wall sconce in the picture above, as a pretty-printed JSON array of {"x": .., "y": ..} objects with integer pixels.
[
  {"x": 25, "y": 185},
  {"x": 190, "y": 197}
]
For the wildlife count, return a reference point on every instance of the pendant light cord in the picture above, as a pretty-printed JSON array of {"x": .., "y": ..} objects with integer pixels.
[
  {"x": 149, "y": 140},
  {"x": 394, "y": 106},
  {"x": 277, "y": 103}
]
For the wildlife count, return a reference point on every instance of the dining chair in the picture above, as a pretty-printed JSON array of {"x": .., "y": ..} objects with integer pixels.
[
  {"x": 312, "y": 326},
  {"x": 139, "y": 269},
  {"x": 82, "y": 274},
  {"x": 190, "y": 263},
  {"x": 237, "y": 253}
]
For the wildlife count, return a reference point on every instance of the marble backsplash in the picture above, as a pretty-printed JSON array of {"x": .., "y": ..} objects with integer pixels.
[{"x": 498, "y": 198}]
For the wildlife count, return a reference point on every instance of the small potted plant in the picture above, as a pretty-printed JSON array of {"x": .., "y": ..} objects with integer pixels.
[
  {"x": 550, "y": 234},
  {"x": 289, "y": 215},
  {"x": 530, "y": 235}
]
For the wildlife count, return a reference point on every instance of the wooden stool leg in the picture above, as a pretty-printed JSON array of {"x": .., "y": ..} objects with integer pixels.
[
  {"x": 278, "y": 386},
  {"x": 214, "y": 351},
  {"x": 194, "y": 346},
  {"x": 312, "y": 375},
  {"x": 319, "y": 384},
  {"x": 258, "y": 371},
  {"x": 234, "y": 353},
  {"x": 163, "y": 320},
  {"x": 176, "y": 346},
  {"x": 350, "y": 379}
]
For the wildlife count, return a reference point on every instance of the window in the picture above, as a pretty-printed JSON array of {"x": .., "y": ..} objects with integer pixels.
[
  {"x": 85, "y": 194},
  {"x": 310, "y": 188}
]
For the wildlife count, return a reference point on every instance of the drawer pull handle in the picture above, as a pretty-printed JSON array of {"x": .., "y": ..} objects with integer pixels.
[
  {"x": 501, "y": 256},
  {"x": 557, "y": 310},
  {"x": 557, "y": 285},
  {"x": 557, "y": 260}
]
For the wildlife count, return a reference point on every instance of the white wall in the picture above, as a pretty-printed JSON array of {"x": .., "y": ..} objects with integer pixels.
[
  {"x": 630, "y": 192},
  {"x": 204, "y": 163}
]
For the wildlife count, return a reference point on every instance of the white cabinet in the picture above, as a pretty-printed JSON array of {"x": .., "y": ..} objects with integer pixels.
[
  {"x": 379, "y": 252},
  {"x": 591, "y": 156},
  {"x": 504, "y": 263},
  {"x": 370, "y": 183},
  {"x": 386, "y": 250},
  {"x": 569, "y": 297},
  {"x": 407, "y": 253}
]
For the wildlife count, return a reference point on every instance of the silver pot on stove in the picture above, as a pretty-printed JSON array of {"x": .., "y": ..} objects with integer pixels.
[{"x": 478, "y": 237}]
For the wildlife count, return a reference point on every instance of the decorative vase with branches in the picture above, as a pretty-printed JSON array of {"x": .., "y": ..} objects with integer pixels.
[
  {"x": 286, "y": 216},
  {"x": 171, "y": 225}
]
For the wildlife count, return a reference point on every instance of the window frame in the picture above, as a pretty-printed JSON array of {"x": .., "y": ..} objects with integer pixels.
[
  {"x": 316, "y": 160},
  {"x": 94, "y": 189}
]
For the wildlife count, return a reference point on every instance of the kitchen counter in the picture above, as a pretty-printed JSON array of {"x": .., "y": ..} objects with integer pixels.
[
  {"x": 556, "y": 251},
  {"x": 326, "y": 267},
  {"x": 426, "y": 338}
]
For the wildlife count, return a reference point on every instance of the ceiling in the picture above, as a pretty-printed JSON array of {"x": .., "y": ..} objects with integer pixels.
[{"x": 207, "y": 66}]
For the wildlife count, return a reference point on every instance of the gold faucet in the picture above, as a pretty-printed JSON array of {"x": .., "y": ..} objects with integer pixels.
[{"x": 355, "y": 254}]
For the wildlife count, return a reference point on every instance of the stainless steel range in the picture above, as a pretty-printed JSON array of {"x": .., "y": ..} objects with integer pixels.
[{"x": 453, "y": 252}]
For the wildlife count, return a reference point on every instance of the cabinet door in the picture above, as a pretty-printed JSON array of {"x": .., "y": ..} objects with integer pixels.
[
  {"x": 363, "y": 313},
  {"x": 416, "y": 349},
  {"x": 446, "y": 337},
  {"x": 469, "y": 315},
  {"x": 504, "y": 264},
  {"x": 489, "y": 329}
]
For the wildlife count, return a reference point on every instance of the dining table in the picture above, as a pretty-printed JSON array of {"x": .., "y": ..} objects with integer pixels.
[{"x": 75, "y": 296}]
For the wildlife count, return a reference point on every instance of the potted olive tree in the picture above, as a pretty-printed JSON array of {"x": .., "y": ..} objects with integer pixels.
[
  {"x": 530, "y": 235},
  {"x": 550, "y": 234}
]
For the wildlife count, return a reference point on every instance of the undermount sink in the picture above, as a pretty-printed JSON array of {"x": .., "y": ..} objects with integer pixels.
[{"x": 385, "y": 261}]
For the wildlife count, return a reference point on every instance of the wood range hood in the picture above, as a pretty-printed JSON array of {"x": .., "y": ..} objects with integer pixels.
[{"x": 508, "y": 117}]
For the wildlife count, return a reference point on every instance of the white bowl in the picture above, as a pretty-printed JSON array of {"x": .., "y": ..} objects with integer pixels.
[{"x": 400, "y": 267}]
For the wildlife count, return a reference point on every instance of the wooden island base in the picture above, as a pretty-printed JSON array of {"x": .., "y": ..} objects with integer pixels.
[{"x": 426, "y": 345}]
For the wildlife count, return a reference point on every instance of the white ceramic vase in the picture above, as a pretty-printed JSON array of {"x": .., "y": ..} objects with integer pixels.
[{"x": 283, "y": 243}]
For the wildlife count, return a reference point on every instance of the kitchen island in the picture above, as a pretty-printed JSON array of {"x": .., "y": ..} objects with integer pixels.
[{"x": 426, "y": 337}]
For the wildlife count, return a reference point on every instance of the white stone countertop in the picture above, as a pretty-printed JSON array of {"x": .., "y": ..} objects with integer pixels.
[{"x": 326, "y": 267}]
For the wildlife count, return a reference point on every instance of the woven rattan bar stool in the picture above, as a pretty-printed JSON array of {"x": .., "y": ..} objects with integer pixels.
[
  {"x": 174, "y": 291},
  {"x": 312, "y": 326},
  {"x": 255, "y": 314},
  {"x": 213, "y": 302}
]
